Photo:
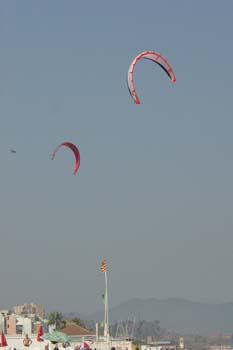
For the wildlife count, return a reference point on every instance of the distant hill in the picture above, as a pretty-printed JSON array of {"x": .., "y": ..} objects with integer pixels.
[{"x": 175, "y": 314}]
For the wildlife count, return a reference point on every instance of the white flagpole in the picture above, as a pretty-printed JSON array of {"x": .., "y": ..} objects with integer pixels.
[
  {"x": 106, "y": 329},
  {"x": 106, "y": 319},
  {"x": 96, "y": 332}
]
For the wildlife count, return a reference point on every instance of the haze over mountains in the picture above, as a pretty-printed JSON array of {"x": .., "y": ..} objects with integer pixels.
[{"x": 174, "y": 314}]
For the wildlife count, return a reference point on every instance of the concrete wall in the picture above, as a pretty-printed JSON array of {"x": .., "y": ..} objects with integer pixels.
[{"x": 17, "y": 342}]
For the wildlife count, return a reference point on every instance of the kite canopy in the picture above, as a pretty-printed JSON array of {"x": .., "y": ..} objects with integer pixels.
[
  {"x": 155, "y": 57},
  {"x": 75, "y": 151}
]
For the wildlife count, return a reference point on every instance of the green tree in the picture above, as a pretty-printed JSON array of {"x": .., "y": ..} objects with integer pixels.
[
  {"x": 57, "y": 319},
  {"x": 78, "y": 321}
]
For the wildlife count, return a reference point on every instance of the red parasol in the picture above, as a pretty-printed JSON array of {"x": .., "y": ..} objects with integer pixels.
[
  {"x": 3, "y": 340},
  {"x": 40, "y": 333}
]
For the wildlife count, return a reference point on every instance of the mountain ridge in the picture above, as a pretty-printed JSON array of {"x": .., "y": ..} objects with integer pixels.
[{"x": 177, "y": 314}]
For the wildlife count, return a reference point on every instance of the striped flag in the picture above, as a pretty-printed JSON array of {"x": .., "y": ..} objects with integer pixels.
[{"x": 104, "y": 266}]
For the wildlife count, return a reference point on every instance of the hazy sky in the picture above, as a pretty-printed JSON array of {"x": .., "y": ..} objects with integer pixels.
[{"x": 154, "y": 192}]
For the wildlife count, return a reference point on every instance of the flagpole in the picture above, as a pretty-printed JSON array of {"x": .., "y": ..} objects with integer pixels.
[
  {"x": 106, "y": 323},
  {"x": 106, "y": 319}
]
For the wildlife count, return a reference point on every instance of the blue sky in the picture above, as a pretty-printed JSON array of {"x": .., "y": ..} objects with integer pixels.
[{"x": 154, "y": 190}]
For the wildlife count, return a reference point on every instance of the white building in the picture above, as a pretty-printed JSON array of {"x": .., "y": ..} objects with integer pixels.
[
  {"x": 2, "y": 323},
  {"x": 23, "y": 325}
]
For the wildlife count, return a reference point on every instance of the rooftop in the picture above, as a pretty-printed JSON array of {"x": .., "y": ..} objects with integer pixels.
[{"x": 74, "y": 329}]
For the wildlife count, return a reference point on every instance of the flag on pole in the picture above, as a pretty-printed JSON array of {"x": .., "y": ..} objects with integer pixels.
[
  {"x": 104, "y": 266},
  {"x": 3, "y": 340}
]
